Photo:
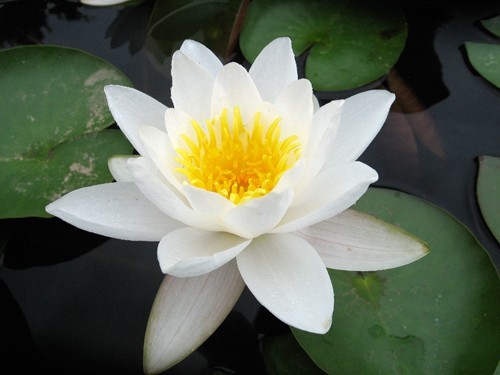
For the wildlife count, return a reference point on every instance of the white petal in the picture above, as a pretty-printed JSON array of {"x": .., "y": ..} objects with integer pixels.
[
  {"x": 323, "y": 131},
  {"x": 117, "y": 210},
  {"x": 329, "y": 193},
  {"x": 274, "y": 68},
  {"x": 234, "y": 87},
  {"x": 259, "y": 215},
  {"x": 102, "y": 3},
  {"x": 159, "y": 191},
  {"x": 132, "y": 109},
  {"x": 188, "y": 252},
  {"x": 159, "y": 151},
  {"x": 186, "y": 312},
  {"x": 362, "y": 117},
  {"x": 118, "y": 167},
  {"x": 202, "y": 55},
  {"x": 287, "y": 276},
  {"x": 191, "y": 87},
  {"x": 295, "y": 106},
  {"x": 207, "y": 203},
  {"x": 355, "y": 241}
]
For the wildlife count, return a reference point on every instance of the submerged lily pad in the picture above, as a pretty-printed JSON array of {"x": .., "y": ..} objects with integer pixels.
[
  {"x": 207, "y": 21},
  {"x": 349, "y": 43},
  {"x": 485, "y": 58},
  {"x": 488, "y": 192},
  {"x": 52, "y": 110},
  {"x": 439, "y": 315}
]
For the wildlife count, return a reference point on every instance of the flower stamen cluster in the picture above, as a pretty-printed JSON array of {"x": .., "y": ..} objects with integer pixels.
[{"x": 235, "y": 161}]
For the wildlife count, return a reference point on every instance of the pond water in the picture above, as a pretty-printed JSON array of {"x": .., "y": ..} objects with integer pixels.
[{"x": 78, "y": 303}]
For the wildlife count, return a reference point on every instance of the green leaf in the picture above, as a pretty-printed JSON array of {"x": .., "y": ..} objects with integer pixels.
[
  {"x": 439, "y": 315},
  {"x": 284, "y": 356},
  {"x": 488, "y": 192},
  {"x": 349, "y": 43},
  {"x": 52, "y": 107},
  {"x": 485, "y": 58},
  {"x": 207, "y": 21},
  {"x": 492, "y": 25}
]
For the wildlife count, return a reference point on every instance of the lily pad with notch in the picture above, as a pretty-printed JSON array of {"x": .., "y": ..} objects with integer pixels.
[
  {"x": 349, "y": 44},
  {"x": 438, "y": 315},
  {"x": 53, "y": 113}
]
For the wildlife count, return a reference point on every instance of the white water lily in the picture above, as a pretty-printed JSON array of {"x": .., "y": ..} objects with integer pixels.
[{"x": 245, "y": 181}]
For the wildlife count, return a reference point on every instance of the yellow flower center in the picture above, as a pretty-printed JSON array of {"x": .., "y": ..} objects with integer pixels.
[{"x": 236, "y": 161}]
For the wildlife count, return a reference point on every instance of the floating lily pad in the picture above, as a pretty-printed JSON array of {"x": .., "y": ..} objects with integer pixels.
[
  {"x": 492, "y": 25},
  {"x": 284, "y": 356},
  {"x": 52, "y": 110},
  {"x": 348, "y": 43},
  {"x": 439, "y": 315},
  {"x": 485, "y": 58},
  {"x": 207, "y": 21},
  {"x": 488, "y": 192}
]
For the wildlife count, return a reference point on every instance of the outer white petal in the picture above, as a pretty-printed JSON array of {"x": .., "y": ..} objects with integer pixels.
[
  {"x": 202, "y": 55},
  {"x": 118, "y": 167},
  {"x": 186, "y": 312},
  {"x": 355, "y": 241},
  {"x": 102, "y": 3},
  {"x": 117, "y": 210},
  {"x": 159, "y": 191},
  {"x": 274, "y": 68},
  {"x": 191, "y": 87},
  {"x": 234, "y": 87},
  {"x": 259, "y": 215},
  {"x": 188, "y": 252},
  {"x": 362, "y": 117},
  {"x": 329, "y": 193},
  {"x": 132, "y": 109},
  {"x": 287, "y": 276},
  {"x": 295, "y": 106}
]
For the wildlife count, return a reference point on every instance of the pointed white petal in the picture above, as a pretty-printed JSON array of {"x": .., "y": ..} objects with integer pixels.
[
  {"x": 274, "y": 68},
  {"x": 188, "y": 252},
  {"x": 287, "y": 276},
  {"x": 258, "y": 215},
  {"x": 202, "y": 55},
  {"x": 191, "y": 87},
  {"x": 234, "y": 87},
  {"x": 329, "y": 193},
  {"x": 186, "y": 312},
  {"x": 295, "y": 107},
  {"x": 102, "y": 3},
  {"x": 117, "y": 210},
  {"x": 118, "y": 167},
  {"x": 355, "y": 241},
  {"x": 132, "y": 109},
  {"x": 362, "y": 117},
  {"x": 207, "y": 203},
  {"x": 165, "y": 196},
  {"x": 159, "y": 151}
]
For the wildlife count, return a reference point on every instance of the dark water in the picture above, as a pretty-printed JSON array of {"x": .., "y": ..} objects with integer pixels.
[{"x": 72, "y": 310}]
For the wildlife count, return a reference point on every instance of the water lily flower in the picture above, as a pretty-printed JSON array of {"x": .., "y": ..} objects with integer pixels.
[{"x": 245, "y": 181}]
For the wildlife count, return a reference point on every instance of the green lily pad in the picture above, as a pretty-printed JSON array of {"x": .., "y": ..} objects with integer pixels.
[
  {"x": 207, "y": 21},
  {"x": 492, "y": 25},
  {"x": 485, "y": 58},
  {"x": 52, "y": 109},
  {"x": 488, "y": 192},
  {"x": 439, "y": 315},
  {"x": 284, "y": 356},
  {"x": 349, "y": 43}
]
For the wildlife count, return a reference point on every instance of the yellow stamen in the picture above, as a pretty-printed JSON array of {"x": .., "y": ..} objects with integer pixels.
[{"x": 237, "y": 162}]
